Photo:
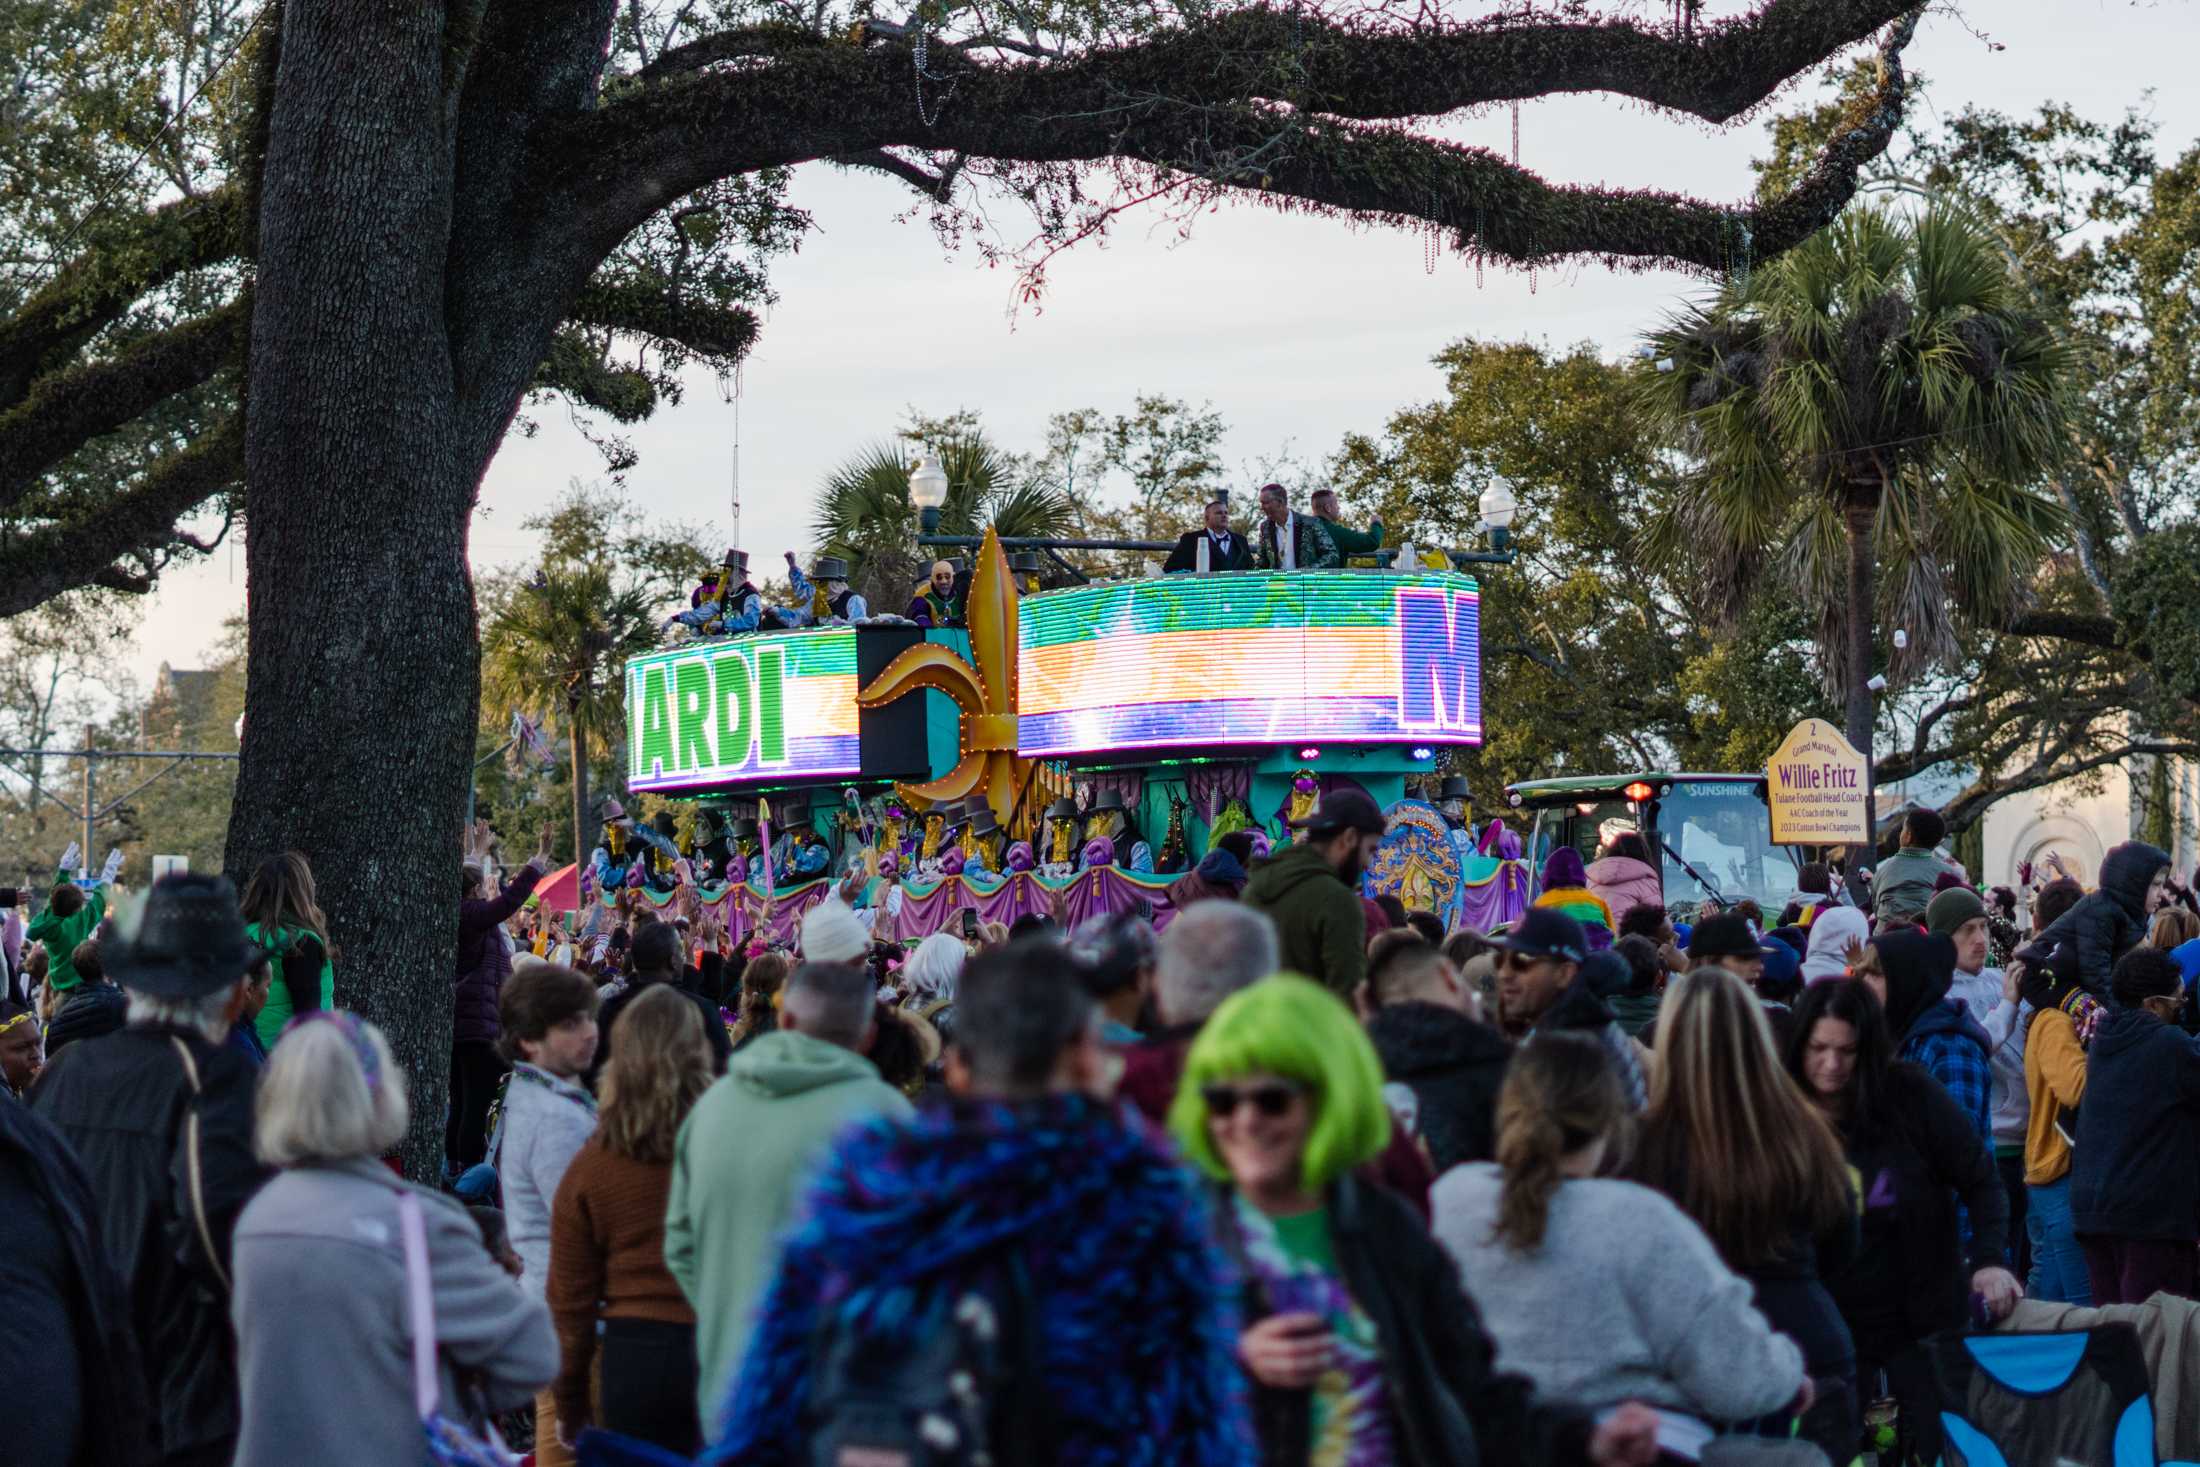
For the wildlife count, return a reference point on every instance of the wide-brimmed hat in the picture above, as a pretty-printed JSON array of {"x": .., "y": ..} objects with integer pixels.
[
  {"x": 611, "y": 812},
  {"x": 188, "y": 940},
  {"x": 1062, "y": 809},
  {"x": 1342, "y": 810}
]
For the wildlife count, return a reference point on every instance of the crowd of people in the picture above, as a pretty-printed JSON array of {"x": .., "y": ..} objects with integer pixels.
[{"x": 1299, "y": 1179}]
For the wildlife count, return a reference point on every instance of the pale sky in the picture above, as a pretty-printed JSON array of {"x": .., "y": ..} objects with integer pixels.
[{"x": 1297, "y": 330}]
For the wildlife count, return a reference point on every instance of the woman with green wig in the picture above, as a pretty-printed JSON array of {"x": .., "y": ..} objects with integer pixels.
[{"x": 1362, "y": 1348}]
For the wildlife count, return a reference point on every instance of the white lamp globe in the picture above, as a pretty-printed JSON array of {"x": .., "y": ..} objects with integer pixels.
[
  {"x": 928, "y": 483},
  {"x": 1498, "y": 504}
]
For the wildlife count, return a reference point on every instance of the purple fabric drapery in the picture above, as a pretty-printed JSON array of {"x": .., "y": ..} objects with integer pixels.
[
  {"x": 1211, "y": 786},
  {"x": 1099, "y": 891},
  {"x": 1131, "y": 785},
  {"x": 1499, "y": 899}
]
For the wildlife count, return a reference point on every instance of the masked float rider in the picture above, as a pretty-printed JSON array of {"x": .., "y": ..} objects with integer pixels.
[
  {"x": 724, "y": 602},
  {"x": 936, "y": 604},
  {"x": 982, "y": 843},
  {"x": 1059, "y": 851},
  {"x": 613, "y": 861},
  {"x": 833, "y": 605},
  {"x": 1110, "y": 821}
]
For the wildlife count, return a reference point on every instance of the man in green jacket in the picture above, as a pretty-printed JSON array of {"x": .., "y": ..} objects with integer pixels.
[
  {"x": 70, "y": 916},
  {"x": 749, "y": 1146},
  {"x": 1349, "y": 542},
  {"x": 1312, "y": 890}
]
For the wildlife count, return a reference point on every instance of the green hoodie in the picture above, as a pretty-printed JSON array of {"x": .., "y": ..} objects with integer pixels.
[
  {"x": 1321, "y": 928},
  {"x": 62, "y": 934},
  {"x": 744, "y": 1153}
]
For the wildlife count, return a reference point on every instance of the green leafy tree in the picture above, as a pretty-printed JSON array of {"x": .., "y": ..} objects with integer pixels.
[
  {"x": 1883, "y": 397},
  {"x": 863, "y": 511},
  {"x": 556, "y": 644}
]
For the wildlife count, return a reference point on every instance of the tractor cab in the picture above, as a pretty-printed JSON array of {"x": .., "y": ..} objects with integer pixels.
[{"x": 1711, "y": 834}]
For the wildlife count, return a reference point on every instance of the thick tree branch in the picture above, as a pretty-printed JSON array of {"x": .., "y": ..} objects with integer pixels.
[
  {"x": 2067, "y": 626},
  {"x": 139, "y": 520},
  {"x": 1973, "y": 802},
  {"x": 68, "y": 409},
  {"x": 878, "y": 160},
  {"x": 575, "y": 367},
  {"x": 89, "y": 294},
  {"x": 728, "y": 45},
  {"x": 723, "y": 335},
  {"x": 1265, "y": 102}
]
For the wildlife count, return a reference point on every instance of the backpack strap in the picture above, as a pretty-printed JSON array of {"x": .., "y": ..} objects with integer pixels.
[
  {"x": 194, "y": 1179},
  {"x": 420, "y": 1305}
]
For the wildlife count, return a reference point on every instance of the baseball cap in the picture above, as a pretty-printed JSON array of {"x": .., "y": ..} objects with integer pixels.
[
  {"x": 1546, "y": 932},
  {"x": 1723, "y": 936},
  {"x": 1342, "y": 810}
]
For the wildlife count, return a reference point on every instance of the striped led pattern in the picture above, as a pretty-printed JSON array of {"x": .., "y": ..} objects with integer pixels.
[
  {"x": 777, "y": 705},
  {"x": 1266, "y": 657}
]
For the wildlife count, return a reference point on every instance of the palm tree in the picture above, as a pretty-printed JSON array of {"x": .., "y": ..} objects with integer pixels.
[
  {"x": 863, "y": 511},
  {"x": 557, "y": 648},
  {"x": 1879, "y": 397}
]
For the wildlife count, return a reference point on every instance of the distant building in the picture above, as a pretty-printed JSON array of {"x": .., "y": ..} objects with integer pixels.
[
  {"x": 2081, "y": 818},
  {"x": 181, "y": 701}
]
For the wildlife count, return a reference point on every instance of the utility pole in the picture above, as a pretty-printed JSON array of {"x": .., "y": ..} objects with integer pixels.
[
  {"x": 92, "y": 812},
  {"x": 91, "y": 803}
]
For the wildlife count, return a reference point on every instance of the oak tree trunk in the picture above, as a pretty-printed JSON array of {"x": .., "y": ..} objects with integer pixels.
[{"x": 363, "y": 676}]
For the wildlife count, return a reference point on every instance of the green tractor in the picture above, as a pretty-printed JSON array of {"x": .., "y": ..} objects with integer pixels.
[{"x": 1711, "y": 833}]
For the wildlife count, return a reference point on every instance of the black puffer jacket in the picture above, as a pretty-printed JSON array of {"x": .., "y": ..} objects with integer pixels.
[
  {"x": 1453, "y": 1067},
  {"x": 1451, "y": 1406},
  {"x": 2108, "y": 921},
  {"x": 121, "y": 1103},
  {"x": 94, "y": 1009},
  {"x": 86, "y": 1300},
  {"x": 483, "y": 964}
]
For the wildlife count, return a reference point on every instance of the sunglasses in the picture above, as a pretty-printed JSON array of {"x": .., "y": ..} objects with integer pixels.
[{"x": 1271, "y": 1100}]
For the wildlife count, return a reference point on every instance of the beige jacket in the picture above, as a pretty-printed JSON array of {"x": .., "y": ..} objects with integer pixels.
[{"x": 2169, "y": 1337}]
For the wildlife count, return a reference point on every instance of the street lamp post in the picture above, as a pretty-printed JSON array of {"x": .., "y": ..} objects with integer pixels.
[
  {"x": 928, "y": 491},
  {"x": 1498, "y": 508}
]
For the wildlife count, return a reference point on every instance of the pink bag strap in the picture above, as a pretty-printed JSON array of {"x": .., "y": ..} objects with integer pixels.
[{"x": 420, "y": 1293}]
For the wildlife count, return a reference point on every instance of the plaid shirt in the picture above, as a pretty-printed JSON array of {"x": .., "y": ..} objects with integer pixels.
[{"x": 1960, "y": 1066}]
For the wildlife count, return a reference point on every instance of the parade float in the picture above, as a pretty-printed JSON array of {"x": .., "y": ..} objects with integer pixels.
[{"x": 1074, "y": 751}]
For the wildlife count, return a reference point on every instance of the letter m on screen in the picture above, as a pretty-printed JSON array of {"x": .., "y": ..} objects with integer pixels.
[{"x": 1439, "y": 660}]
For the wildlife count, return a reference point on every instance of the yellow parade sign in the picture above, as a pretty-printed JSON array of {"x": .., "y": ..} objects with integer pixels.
[{"x": 1818, "y": 787}]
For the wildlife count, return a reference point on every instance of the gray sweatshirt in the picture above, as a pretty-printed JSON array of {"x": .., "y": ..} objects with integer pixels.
[{"x": 1626, "y": 1300}]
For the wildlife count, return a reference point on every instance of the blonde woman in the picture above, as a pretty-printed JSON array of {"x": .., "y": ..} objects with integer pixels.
[
  {"x": 1731, "y": 1139},
  {"x": 1546, "y": 1247},
  {"x": 608, "y": 1280},
  {"x": 324, "y": 1337}
]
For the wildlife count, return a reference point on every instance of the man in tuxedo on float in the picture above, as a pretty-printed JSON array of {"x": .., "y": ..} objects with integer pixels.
[{"x": 1227, "y": 550}]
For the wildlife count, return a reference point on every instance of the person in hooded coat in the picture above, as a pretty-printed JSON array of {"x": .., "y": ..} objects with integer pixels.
[
  {"x": 1443, "y": 1064},
  {"x": 2112, "y": 919},
  {"x": 1913, "y": 973},
  {"x": 1836, "y": 930},
  {"x": 1625, "y": 877}
]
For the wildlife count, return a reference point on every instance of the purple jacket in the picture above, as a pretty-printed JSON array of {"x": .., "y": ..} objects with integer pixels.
[{"x": 483, "y": 964}]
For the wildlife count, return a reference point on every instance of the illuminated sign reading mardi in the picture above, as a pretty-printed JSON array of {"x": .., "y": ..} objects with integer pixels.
[
  {"x": 781, "y": 705},
  {"x": 1350, "y": 656}
]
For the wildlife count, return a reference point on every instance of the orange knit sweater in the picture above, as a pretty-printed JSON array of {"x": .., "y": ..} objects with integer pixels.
[{"x": 607, "y": 1259}]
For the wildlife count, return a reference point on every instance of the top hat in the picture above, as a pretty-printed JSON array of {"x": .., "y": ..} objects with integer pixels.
[
  {"x": 1025, "y": 562},
  {"x": 744, "y": 830},
  {"x": 1106, "y": 801},
  {"x": 1221, "y": 497},
  {"x": 1454, "y": 788},
  {"x": 737, "y": 561},
  {"x": 981, "y": 821},
  {"x": 189, "y": 941},
  {"x": 1062, "y": 809},
  {"x": 829, "y": 568}
]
